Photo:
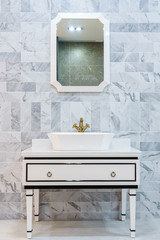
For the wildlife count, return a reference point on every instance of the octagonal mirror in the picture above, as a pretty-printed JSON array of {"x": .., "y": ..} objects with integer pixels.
[{"x": 80, "y": 56}]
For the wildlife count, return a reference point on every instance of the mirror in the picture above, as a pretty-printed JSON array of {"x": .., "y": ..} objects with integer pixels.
[{"x": 80, "y": 57}]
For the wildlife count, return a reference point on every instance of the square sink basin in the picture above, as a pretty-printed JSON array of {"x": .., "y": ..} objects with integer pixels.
[{"x": 76, "y": 141}]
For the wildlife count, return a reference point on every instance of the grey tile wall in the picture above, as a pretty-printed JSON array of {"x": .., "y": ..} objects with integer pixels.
[
  {"x": 30, "y": 107},
  {"x": 80, "y": 64}
]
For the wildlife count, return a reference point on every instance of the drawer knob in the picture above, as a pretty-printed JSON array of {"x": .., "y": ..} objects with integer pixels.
[
  {"x": 113, "y": 174},
  {"x": 49, "y": 174}
]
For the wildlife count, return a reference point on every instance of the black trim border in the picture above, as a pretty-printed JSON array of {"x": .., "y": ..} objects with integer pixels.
[
  {"x": 132, "y": 230},
  {"x": 36, "y": 215},
  {"x": 50, "y": 158},
  {"x": 29, "y": 195},
  {"x": 134, "y": 195},
  {"x": 30, "y": 231},
  {"x": 123, "y": 214},
  {"x": 80, "y": 186}
]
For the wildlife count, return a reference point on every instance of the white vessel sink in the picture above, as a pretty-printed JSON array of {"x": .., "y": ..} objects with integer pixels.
[{"x": 73, "y": 141}]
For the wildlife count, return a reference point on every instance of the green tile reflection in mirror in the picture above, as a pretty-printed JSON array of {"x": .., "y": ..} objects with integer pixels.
[{"x": 80, "y": 63}]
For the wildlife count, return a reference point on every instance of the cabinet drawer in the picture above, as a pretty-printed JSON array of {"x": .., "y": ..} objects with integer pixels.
[{"x": 80, "y": 172}]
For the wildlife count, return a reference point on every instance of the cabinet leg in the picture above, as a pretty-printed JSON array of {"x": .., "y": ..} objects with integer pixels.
[
  {"x": 123, "y": 202},
  {"x": 36, "y": 204},
  {"x": 29, "y": 206},
  {"x": 132, "y": 206}
]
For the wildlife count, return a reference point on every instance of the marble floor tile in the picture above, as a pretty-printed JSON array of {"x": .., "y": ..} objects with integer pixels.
[{"x": 79, "y": 230}]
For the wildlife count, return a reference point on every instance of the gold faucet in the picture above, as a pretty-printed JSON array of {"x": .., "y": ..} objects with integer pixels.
[{"x": 81, "y": 128}]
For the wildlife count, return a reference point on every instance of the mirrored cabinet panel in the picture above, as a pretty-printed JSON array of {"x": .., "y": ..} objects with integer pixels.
[{"x": 80, "y": 53}]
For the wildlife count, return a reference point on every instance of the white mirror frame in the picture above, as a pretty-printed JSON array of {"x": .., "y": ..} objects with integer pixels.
[{"x": 54, "y": 80}]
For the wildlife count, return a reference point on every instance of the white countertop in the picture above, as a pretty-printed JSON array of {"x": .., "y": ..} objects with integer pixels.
[{"x": 44, "y": 149}]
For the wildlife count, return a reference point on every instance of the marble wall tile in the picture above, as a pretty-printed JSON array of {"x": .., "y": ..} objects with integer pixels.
[
  {"x": 46, "y": 117},
  {"x": 71, "y": 6},
  {"x": 36, "y": 116},
  {"x": 10, "y": 137},
  {"x": 149, "y": 57},
  {"x": 25, "y": 5},
  {"x": 35, "y": 76},
  {"x": 5, "y": 6},
  {"x": 13, "y": 157},
  {"x": 11, "y": 5},
  {"x": 26, "y": 138},
  {"x": 10, "y": 197},
  {"x": 147, "y": 82},
  {"x": 40, "y": 6},
  {"x": 144, "y": 117},
  {"x": 95, "y": 116},
  {"x": 124, "y": 57},
  {"x": 25, "y": 117},
  {"x": 154, "y": 115},
  {"x": 35, "y": 97},
  {"x": 119, "y": 27},
  {"x": 153, "y": 6},
  {"x": 35, "y": 56},
  {"x": 150, "y": 146},
  {"x": 10, "y": 146},
  {"x": 3, "y": 86},
  {"x": 10, "y": 77},
  {"x": 25, "y": 86},
  {"x": 10, "y": 27},
  {"x": 147, "y": 37},
  {"x": 2, "y": 156},
  {"x": 138, "y": 47},
  {"x": 6, "y": 116},
  {"x": 10, "y": 57},
  {"x": 10, "y": 211},
  {"x": 15, "y": 116},
  {"x": 105, "y": 118},
  {"x": 149, "y": 97},
  {"x": 143, "y": 5},
  {"x": 35, "y": 17},
  {"x": 131, "y": 123},
  {"x": 117, "y": 67},
  {"x": 9, "y": 17},
  {"x": 6, "y": 97},
  {"x": 10, "y": 42},
  {"x": 149, "y": 27},
  {"x": 139, "y": 67},
  {"x": 151, "y": 17},
  {"x": 35, "y": 67},
  {"x": 77, "y": 196},
  {"x": 157, "y": 87},
  {"x": 109, "y": 6},
  {"x": 56, "y": 111},
  {"x": 13, "y": 67},
  {"x": 128, "y": 6},
  {"x": 117, "y": 47}
]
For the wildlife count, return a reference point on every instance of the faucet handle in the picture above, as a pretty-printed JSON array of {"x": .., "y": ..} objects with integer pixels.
[
  {"x": 74, "y": 125},
  {"x": 87, "y": 125}
]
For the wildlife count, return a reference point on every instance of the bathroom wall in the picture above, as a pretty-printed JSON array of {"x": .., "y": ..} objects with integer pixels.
[
  {"x": 30, "y": 107},
  {"x": 80, "y": 63}
]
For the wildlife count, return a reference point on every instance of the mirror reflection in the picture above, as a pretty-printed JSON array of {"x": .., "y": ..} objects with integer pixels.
[{"x": 80, "y": 52}]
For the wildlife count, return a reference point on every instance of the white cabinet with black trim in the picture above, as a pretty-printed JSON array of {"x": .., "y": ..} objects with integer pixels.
[{"x": 53, "y": 169}]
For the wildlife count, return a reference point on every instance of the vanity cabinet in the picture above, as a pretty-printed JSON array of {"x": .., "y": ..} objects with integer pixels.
[{"x": 80, "y": 170}]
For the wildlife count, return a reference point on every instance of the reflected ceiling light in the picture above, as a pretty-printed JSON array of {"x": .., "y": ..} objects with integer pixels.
[
  {"x": 78, "y": 28},
  {"x": 71, "y": 28}
]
